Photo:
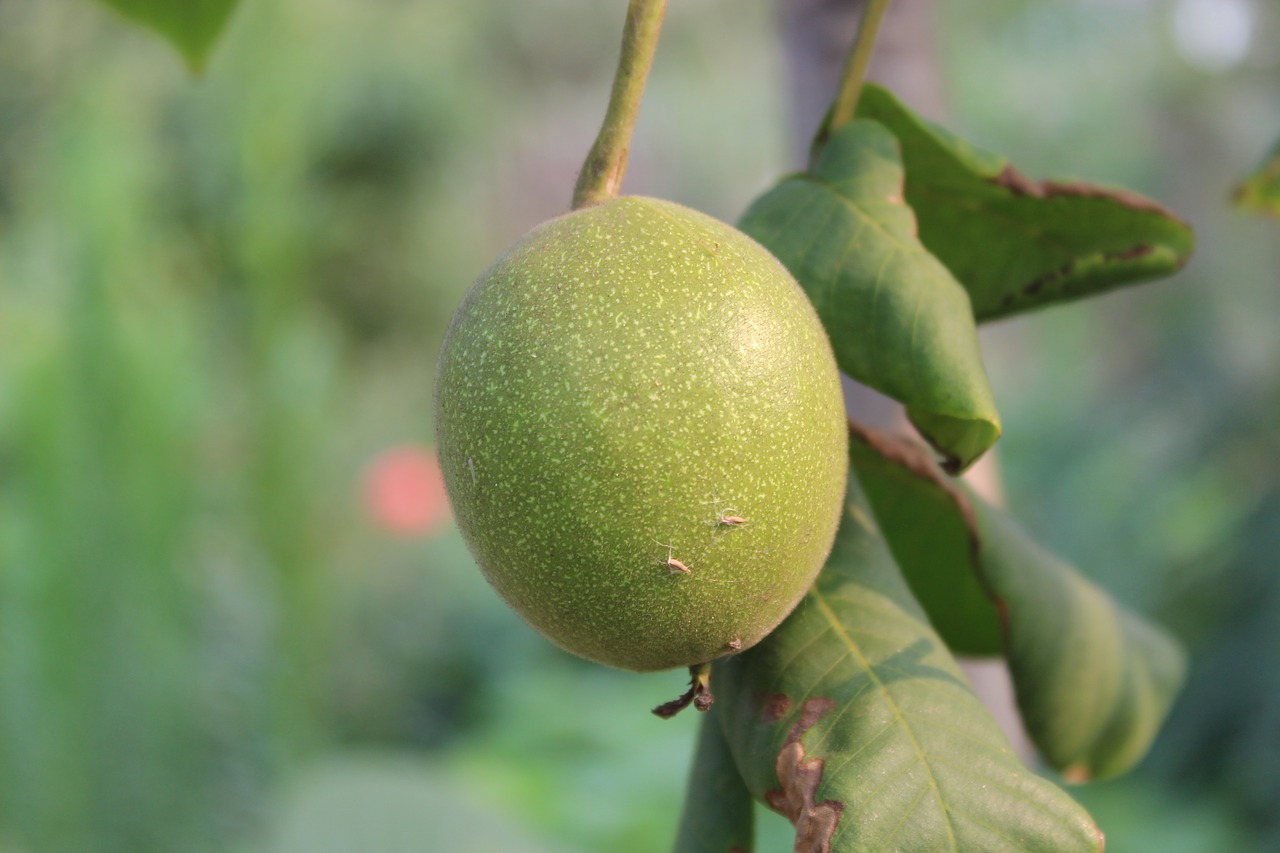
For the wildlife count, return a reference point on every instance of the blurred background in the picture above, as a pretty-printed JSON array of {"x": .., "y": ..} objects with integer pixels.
[{"x": 234, "y": 614}]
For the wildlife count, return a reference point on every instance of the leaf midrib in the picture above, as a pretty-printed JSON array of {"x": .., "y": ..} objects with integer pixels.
[{"x": 836, "y": 626}]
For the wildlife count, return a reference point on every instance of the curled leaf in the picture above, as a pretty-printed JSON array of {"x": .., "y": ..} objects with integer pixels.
[
  {"x": 1094, "y": 682},
  {"x": 853, "y": 720},
  {"x": 1017, "y": 244},
  {"x": 897, "y": 319}
]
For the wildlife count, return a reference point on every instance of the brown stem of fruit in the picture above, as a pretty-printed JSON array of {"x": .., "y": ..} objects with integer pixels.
[
  {"x": 698, "y": 694},
  {"x": 606, "y": 163}
]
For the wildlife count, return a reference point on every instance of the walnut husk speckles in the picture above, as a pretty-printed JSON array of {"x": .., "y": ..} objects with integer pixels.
[{"x": 614, "y": 399}]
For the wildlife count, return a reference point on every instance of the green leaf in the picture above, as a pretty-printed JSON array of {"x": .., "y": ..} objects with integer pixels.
[
  {"x": 719, "y": 816},
  {"x": 853, "y": 720},
  {"x": 1016, "y": 244},
  {"x": 1093, "y": 681},
  {"x": 928, "y": 530},
  {"x": 191, "y": 25},
  {"x": 1260, "y": 192},
  {"x": 897, "y": 319}
]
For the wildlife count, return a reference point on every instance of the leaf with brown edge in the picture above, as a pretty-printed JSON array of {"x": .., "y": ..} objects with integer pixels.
[
  {"x": 1017, "y": 244},
  {"x": 853, "y": 720},
  {"x": 1093, "y": 681},
  {"x": 719, "y": 815},
  {"x": 1260, "y": 191},
  {"x": 897, "y": 318}
]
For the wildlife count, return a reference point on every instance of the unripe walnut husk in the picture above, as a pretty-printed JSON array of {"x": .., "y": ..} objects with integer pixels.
[{"x": 642, "y": 434}]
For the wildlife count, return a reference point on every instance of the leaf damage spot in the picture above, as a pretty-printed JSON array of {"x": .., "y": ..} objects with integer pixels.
[
  {"x": 1002, "y": 609},
  {"x": 1052, "y": 278},
  {"x": 799, "y": 776},
  {"x": 1139, "y": 251},
  {"x": 775, "y": 707},
  {"x": 1019, "y": 184}
]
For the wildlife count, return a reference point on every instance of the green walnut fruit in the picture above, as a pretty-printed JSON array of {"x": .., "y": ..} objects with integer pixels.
[{"x": 642, "y": 433}]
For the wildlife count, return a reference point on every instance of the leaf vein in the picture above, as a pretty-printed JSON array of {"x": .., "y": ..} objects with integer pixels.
[{"x": 856, "y": 652}]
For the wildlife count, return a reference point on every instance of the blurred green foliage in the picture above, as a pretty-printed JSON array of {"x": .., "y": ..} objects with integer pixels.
[
  {"x": 220, "y": 297},
  {"x": 1260, "y": 190},
  {"x": 192, "y": 27}
]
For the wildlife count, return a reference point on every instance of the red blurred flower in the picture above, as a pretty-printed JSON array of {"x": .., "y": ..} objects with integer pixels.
[{"x": 404, "y": 491}]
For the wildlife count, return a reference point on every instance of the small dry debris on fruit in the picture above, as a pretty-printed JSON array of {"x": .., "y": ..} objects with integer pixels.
[
  {"x": 674, "y": 565},
  {"x": 698, "y": 695}
]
